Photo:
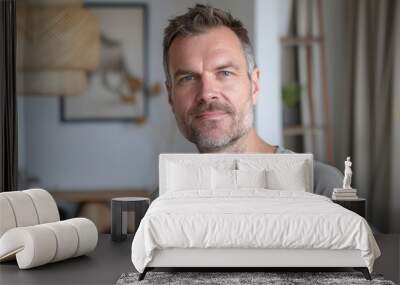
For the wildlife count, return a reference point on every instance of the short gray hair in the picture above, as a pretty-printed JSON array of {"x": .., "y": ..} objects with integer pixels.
[{"x": 198, "y": 20}]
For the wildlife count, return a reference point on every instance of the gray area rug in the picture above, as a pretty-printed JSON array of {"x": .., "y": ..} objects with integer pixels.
[{"x": 228, "y": 278}]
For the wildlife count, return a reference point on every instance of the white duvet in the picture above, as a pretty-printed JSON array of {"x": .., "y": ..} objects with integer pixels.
[{"x": 251, "y": 218}]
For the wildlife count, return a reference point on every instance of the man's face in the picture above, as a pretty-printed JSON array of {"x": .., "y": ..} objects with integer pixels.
[{"x": 210, "y": 91}]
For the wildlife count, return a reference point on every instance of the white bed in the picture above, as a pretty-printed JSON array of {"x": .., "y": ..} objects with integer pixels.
[{"x": 203, "y": 220}]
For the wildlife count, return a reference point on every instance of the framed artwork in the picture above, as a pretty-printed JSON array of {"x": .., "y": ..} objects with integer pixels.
[{"x": 118, "y": 89}]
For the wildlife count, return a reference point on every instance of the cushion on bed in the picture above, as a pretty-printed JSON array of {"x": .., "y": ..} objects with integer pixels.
[
  {"x": 181, "y": 178},
  {"x": 205, "y": 161},
  {"x": 279, "y": 181},
  {"x": 180, "y": 172},
  {"x": 231, "y": 180},
  {"x": 251, "y": 178},
  {"x": 282, "y": 174},
  {"x": 223, "y": 179}
]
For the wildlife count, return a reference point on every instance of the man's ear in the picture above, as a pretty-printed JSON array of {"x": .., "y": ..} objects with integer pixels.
[
  {"x": 255, "y": 84},
  {"x": 168, "y": 87}
]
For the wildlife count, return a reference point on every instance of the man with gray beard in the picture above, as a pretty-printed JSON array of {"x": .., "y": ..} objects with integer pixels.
[{"x": 213, "y": 84}]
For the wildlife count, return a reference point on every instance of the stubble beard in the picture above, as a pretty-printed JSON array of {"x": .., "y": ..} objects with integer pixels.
[{"x": 201, "y": 133}]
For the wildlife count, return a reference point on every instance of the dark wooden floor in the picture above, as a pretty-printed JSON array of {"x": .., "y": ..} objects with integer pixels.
[
  {"x": 110, "y": 260},
  {"x": 102, "y": 266},
  {"x": 389, "y": 262}
]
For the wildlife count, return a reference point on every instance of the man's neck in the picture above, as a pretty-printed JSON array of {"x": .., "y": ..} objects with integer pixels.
[{"x": 249, "y": 143}]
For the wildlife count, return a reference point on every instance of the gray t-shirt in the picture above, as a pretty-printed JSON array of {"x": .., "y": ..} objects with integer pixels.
[{"x": 326, "y": 177}]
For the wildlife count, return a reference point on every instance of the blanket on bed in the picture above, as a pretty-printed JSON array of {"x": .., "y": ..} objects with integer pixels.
[{"x": 251, "y": 218}]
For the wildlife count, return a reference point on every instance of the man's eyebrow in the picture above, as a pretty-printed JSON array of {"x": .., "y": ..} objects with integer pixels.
[
  {"x": 228, "y": 65},
  {"x": 182, "y": 72}
]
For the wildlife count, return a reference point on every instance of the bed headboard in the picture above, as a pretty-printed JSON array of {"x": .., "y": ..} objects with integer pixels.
[{"x": 231, "y": 161}]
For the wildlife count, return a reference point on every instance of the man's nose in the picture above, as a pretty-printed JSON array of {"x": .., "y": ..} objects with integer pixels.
[{"x": 208, "y": 88}]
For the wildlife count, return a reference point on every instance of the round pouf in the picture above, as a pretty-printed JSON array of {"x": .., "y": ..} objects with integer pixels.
[{"x": 120, "y": 208}]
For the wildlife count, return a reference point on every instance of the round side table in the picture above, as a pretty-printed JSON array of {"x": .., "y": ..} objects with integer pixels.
[{"x": 120, "y": 207}]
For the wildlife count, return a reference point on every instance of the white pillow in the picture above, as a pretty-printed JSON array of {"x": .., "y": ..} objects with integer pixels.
[
  {"x": 282, "y": 174},
  {"x": 181, "y": 178},
  {"x": 279, "y": 180},
  {"x": 236, "y": 179},
  {"x": 251, "y": 178},
  {"x": 224, "y": 179}
]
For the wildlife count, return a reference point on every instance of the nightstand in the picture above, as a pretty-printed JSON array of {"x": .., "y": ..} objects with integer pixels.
[
  {"x": 357, "y": 205},
  {"x": 121, "y": 208}
]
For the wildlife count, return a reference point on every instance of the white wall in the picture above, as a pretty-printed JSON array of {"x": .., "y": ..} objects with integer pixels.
[
  {"x": 113, "y": 155},
  {"x": 267, "y": 29}
]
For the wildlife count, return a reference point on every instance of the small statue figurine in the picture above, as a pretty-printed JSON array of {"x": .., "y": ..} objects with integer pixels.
[{"x": 347, "y": 174}]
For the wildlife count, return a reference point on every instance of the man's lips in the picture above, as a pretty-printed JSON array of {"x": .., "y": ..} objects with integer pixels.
[{"x": 210, "y": 114}]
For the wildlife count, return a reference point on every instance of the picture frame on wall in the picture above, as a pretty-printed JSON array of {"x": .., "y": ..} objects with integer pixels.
[{"x": 117, "y": 90}]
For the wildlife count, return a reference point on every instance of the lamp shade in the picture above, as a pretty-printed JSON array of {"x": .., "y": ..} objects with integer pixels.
[
  {"x": 58, "y": 42},
  {"x": 58, "y": 38},
  {"x": 52, "y": 82}
]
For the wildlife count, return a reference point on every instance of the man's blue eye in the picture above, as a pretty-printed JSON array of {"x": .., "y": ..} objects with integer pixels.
[
  {"x": 187, "y": 78},
  {"x": 226, "y": 73}
]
